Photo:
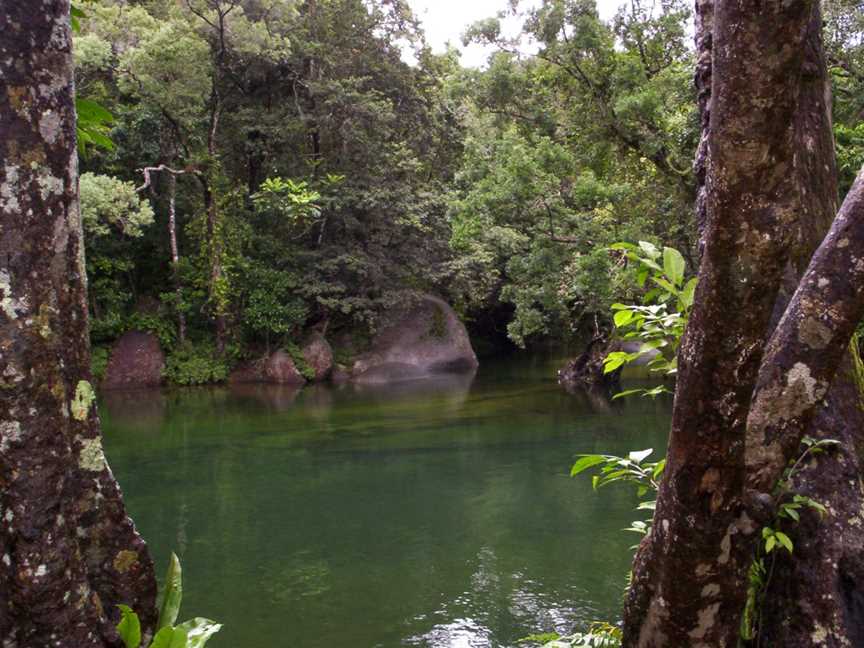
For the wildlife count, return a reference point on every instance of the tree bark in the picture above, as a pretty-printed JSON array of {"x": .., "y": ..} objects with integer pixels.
[
  {"x": 68, "y": 551},
  {"x": 770, "y": 192}
]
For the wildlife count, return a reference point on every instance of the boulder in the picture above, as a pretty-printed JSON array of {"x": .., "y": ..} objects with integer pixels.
[
  {"x": 423, "y": 339},
  {"x": 277, "y": 368},
  {"x": 136, "y": 360},
  {"x": 318, "y": 355}
]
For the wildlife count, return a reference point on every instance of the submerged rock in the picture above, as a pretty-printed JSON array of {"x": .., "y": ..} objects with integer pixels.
[
  {"x": 424, "y": 339},
  {"x": 136, "y": 360},
  {"x": 277, "y": 368},
  {"x": 318, "y": 355}
]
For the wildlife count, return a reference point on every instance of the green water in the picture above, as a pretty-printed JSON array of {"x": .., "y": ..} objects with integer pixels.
[{"x": 435, "y": 514}]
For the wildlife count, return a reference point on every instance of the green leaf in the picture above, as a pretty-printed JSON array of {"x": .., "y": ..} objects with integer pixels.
[
  {"x": 129, "y": 627},
  {"x": 622, "y": 246},
  {"x": 623, "y": 317},
  {"x": 687, "y": 293},
  {"x": 585, "y": 462},
  {"x": 169, "y": 637},
  {"x": 74, "y": 19},
  {"x": 665, "y": 285},
  {"x": 650, "y": 249},
  {"x": 658, "y": 468},
  {"x": 647, "y": 506},
  {"x": 651, "y": 264},
  {"x": 770, "y": 543},
  {"x": 614, "y": 360},
  {"x": 784, "y": 540},
  {"x": 640, "y": 455},
  {"x": 673, "y": 265},
  {"x": 90, "y": 111},
  {"x": 172, "y": 595},
  {"x": 627, "y": 392},
  {"x": 199, "y": 631}
]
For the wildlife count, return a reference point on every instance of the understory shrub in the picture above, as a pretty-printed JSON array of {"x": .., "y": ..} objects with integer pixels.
[{"x": 197, "y": 364}]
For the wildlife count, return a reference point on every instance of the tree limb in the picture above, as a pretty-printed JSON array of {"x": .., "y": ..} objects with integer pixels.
[{"x": 805, "y": 351}]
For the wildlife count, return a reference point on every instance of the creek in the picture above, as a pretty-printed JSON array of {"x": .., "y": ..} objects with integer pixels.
[{"x": 433, "y": 513}]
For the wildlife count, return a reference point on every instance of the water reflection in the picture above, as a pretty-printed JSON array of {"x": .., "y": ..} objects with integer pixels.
[
  {"x": 141, "y": 410},
  {"x": 438, "y": 514}
]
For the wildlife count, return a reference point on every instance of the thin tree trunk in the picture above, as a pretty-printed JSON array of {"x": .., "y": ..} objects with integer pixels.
[
  {"x": 175, "y": 256},
  {"x": 68, "y": 551},
  {"x": 214, "y": 246}
]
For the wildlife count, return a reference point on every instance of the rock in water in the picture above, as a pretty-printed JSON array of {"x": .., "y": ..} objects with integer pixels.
[
  {"x": 423, "y": 339},
  {"x": 318, "y": 355},
  {"x": 278, "y": 368},
  {"x": 136, "y": 360}
]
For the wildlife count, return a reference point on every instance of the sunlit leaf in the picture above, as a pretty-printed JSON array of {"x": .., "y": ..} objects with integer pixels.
[
  {"x": 172, "y": 595},
  {"x": 673, "y": 265},
  {"x": 585, "y": 462},
  {"x": 640, "y": 455}
]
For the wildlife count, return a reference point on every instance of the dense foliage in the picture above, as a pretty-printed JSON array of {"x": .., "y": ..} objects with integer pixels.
[{"x": 277, "y": 165}]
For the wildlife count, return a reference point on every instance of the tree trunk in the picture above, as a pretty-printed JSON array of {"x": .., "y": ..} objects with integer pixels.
[
  {"x": 175, "y": 256},
  {"x": 812, "y": 598},
  {"x": 214, "y": 248},
  {"x": 68, "y": 551},
  {"x": 770, "y": 193}
]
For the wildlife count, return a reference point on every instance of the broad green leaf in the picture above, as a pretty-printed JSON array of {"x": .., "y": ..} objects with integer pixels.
[
  {"x": 172, "y": 595},
  {"x": 90, "y": 111},
  {"x": 784, "y": 540},
  {"x": 622, "y": 246},
  {"x": 169, "y": 637},
  {"x": 585, "y": 462},
  {"x": 614, "y": 360},
  {"x": 650, "y": 249},
  {"x": 647, "y": 506},
  {"x": 665, "y": 285},
  {"x": 770, "y": 543},
  {"x": 623, "y": 317},
  {"x": 687, "y": 293},
  {"x": 658, "y": 468},
  {"x": 650, "y": 263},
  {"x": 199, "y": 631},
  {"x": 129, "y": 627},
  {"x": 640, "y": 455},
  {"x": 673, "y": 265}
]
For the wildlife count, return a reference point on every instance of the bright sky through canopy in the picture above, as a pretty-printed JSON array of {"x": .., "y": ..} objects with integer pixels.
[{"x": 446, "y": 20}]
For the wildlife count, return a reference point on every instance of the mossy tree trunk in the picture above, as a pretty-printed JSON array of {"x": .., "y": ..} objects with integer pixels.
[
  {"x": 68, "y": 551},
  {"x": 749, "y": 388}
]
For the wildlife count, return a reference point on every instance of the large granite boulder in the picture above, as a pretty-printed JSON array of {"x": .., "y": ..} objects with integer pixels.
[
  {"x": 423, "y": 339},
  {"x": 318, "y": 355},
  {"x": 136, "y": 361},
  {"x": 277, "y": 368}
]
